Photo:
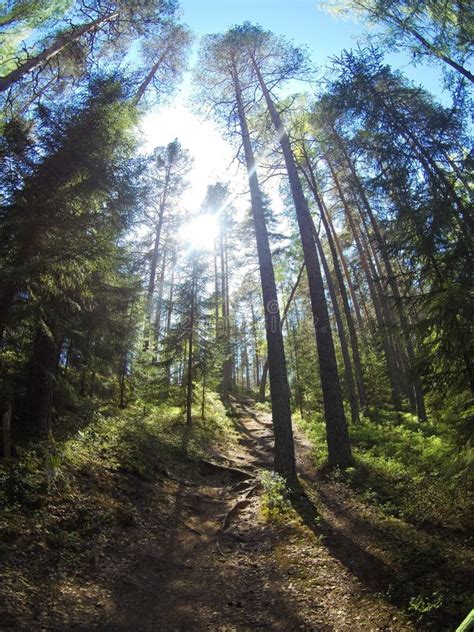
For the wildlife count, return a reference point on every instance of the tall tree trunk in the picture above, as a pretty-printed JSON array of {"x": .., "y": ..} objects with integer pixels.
[
  {"x": 388, "y": 350},
  {"x": 350, "y": 382},
  {"x": 347, "y": 272},
  {"x": 149, "y": 77},
  {"x": 203, "y": 400},
  {"x": 392, "y": 280},
  {"x": 169, "y": 314},
  {"x": 189, "y": 377},
  {"x": 229, "y": 327},
  {"x": 255, "y": 342},
  {"x": 311, "y": 179},
  {"x": 216, "y": 291},
  {"x": 299, "y": 388},
  {"x": 159, "y": 305},
  {"x": 154, "y": 258},
  {"x": 284, "y": 457},
  {"x": 263, "y": 381},
  {"x": 246, "y": 357},
  {"x": 42, "y": 380},
  {"x": 339, "y": 451},
  {"x": 227, "y": 365},
  {"x": 61, "y": 42}
]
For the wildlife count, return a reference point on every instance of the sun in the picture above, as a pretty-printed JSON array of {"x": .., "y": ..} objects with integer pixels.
[{"x": 201, "y": 231}]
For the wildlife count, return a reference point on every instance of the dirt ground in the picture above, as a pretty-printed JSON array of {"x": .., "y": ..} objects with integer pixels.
[{"x": 202, "y": 556}]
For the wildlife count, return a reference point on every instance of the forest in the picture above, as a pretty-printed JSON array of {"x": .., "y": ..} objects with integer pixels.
[{"x": 247, "y": 404}]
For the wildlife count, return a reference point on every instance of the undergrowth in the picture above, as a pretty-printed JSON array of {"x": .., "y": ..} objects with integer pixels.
[
  {"x": 78, "y": 465},
  {"x": 275, "y": 499},
  {"x": 64, "y": 500},
  {"x": 417, "y": 478},
  {"x": 411, "y": 470}
]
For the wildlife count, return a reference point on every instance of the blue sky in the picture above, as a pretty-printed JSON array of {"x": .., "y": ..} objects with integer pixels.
[{"x": 302, "y": 21}]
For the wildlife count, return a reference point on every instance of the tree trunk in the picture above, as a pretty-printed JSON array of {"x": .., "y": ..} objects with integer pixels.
[
  {"x": 299, "y": 388},
  {"x": 431, "y": 48},
  {"x": 203, "y": 400},
  {"x": 392, "y": 280},
  {"x": 311, "y": 179},
  {"x": 170, "y": 295},
  {"x": 350, "y": 382},
  {"x": 226, "y": 385},
  {"x": 189, "y": 377},
  {"x": 347, "y": 273},
  {"x": 58, "y": 45},
  {"x": 339, "y": 451},
  {"x": 216, "y": 291},
  {"x": 255, "y": 342},
  {"x": 284, "y": 456},
  {"x": 149, "y": 78},
  {"x": 263, "y": 382},
  {"x": 388, "y": 350},
  {"x": 154, "y": 257},
  {"x": 159, "y": 305},
  {"x": 41, "y": 382}
]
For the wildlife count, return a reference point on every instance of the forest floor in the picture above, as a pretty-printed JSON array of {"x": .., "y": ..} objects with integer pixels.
[{"x": 199, "y": 552}]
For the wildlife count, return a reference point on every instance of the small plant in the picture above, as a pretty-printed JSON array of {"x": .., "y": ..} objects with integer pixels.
[
  {"x": 423, "y": 605},
  {"x": 276, "y": 495}
]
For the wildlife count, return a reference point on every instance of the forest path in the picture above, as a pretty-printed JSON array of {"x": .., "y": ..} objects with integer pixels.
[{"x": 194, "y": 566}]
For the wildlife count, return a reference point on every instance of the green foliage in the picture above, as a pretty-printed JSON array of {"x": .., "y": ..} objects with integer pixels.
[
  {"x": 18, "y": 18},
  {"x": 409, "y": 469},
  {"x": 440, "y": 31},
  {"x": 52, "y": 48},
  {"x": 129, "y": 441},
  {"x": 423, "y": 605},
  {"x": 413, "y": 154},
  {"x": 275, "y": 498}
]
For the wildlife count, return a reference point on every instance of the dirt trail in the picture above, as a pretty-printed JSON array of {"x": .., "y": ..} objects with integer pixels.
[{"x": 180, "y": 572}]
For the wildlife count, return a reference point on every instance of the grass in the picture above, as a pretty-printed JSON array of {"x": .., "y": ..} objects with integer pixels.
[
  {"x": 411, "y": 470},
  {"x": 131, "y": 440}
]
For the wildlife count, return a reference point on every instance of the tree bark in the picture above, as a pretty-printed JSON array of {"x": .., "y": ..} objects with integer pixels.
[
  {"x": 154, "y": 257},
  {"x": 284, "y": 456},
  {"x": 189, "y": 377},
  {"x": 349, "y": 375},
  {"x": 263, "y": 381},
  {"x": 149, "y": 78},
  {"x": 159, "y": 306},
  {"x": 227, "y": 365},
  {"x": 255, "y": 342},
  {"x": 311, "y": 179},
  {"x": 392, "y": 281},
  {"x": 339, "y": 451},
  {"x": 42, "y": 381},
  {"x": 216, "y": 292},
  {"x": 388, "y": 350},
  {"x": 203, "y": 400}
]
